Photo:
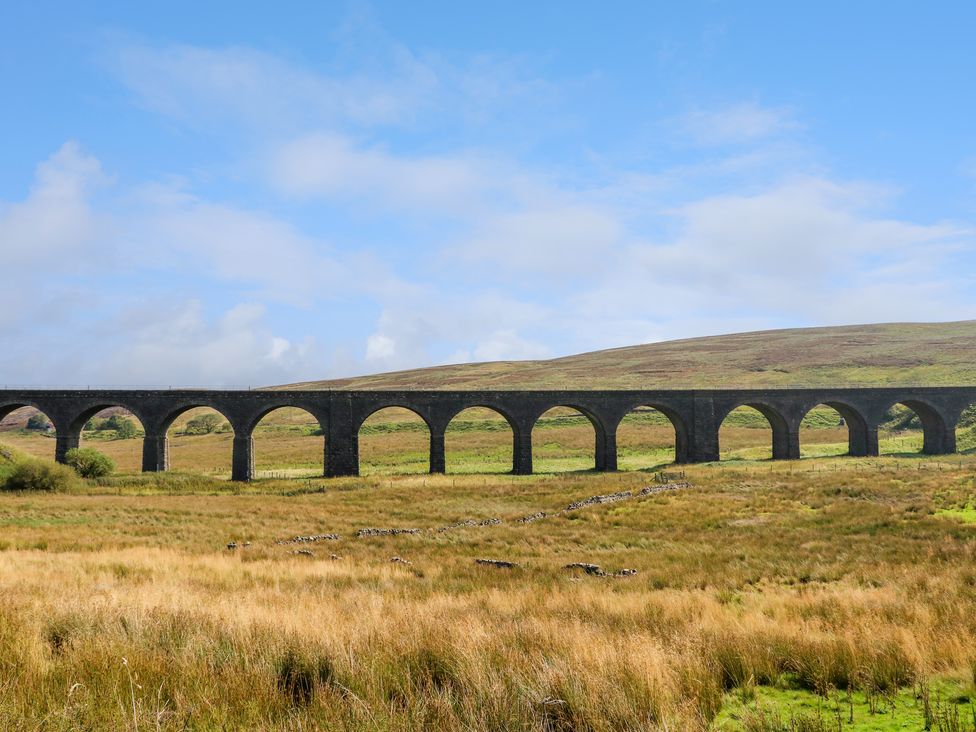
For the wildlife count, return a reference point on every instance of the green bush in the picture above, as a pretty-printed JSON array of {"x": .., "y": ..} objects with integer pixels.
[
  {"x": 125, "y": 428},
  {"x": 968, "y": 417},
  {"x": 89, "y": 463},
  {"x": 38, "y": 422},
  {"x": 40, "y": 475}
]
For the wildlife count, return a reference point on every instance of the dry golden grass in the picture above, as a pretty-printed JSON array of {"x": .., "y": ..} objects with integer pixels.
[{"x": 120, "y": 610}]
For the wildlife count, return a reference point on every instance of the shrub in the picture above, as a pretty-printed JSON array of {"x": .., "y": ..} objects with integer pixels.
[
  {"x": 125, "y": 428},
  {"x": 968, "y": 416},
  {"x": 203, "y": 424},
  {"x": 38, "y": 422},
  {"x": 40, "y": 475},
  {"x": 89, "y": 463}
]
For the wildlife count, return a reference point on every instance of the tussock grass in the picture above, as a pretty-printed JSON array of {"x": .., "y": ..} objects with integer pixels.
[{"x": 120, "y": 607}]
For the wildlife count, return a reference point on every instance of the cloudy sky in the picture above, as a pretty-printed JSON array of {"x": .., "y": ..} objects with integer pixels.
[{"x": 234, "y": 195}]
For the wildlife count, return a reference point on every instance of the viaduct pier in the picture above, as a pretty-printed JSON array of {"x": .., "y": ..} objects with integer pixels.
[{"x": 695, "y": 414}]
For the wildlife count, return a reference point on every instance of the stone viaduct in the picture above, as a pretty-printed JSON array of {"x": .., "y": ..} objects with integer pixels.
[{"x": 695, "y": 414}]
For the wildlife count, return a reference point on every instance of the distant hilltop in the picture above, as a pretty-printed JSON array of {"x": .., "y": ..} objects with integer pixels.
[{"x": 884, "y": 354}]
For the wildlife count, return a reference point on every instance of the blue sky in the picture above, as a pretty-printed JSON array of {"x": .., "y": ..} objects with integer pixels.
[{"x": 252, "y": 194}]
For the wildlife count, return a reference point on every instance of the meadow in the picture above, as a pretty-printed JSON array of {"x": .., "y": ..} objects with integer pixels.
[{"x": 828, "y": 593}]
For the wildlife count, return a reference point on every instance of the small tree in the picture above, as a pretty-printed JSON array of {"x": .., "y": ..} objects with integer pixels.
[
  {"x": 88, "y": 462},
  {"x": 38, "y": 422},
  {"x": 39, "y": 475},
  {"x": 124, "y": 427},
  {"x": 203, "y": 424}
]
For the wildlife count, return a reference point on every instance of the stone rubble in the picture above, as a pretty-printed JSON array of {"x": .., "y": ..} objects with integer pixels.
[
  {"x": 400, "y": 560},
  {"x": 385, "y": 532},
  {"x": 662, "y": 488},
  {"x": 497, "y": 563},
  {"x": 309, "y": 539},
  {"x": 532, "y": 517},
  {"x": 596, "y": 500},
  {"x": 470, "y": 522},
  {"x": 588, "y": 568},
  {"x": 608, "y": 498},
  {"x": 597, "y": 571},
  {"x": 304, "y": 552}
]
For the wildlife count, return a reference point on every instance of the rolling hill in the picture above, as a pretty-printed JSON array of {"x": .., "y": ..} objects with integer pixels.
[{"x": 880, "y": 354}]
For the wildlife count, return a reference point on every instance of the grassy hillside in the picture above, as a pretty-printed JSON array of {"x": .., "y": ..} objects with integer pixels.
[{"x": 881, "y": 354}]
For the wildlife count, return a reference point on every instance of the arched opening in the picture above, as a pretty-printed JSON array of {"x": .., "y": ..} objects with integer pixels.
[
  {"x": 911, "y": 427},
  {"x": 114, "y": 431},
  {"x": 648, "y": 437},
  {"x": 479, "y": 440},
  {"x": 394, "y": 441},
  {"x": 747, "y": 433},
  {"x": 827, "y": 431},
  {"x": 201, "y": 440},
  {"x": 966, "y": 430},
  {"x": 288, "y": 443},
  {"x": 563, "y": 440},
  {"x": 27, "y": 429}
]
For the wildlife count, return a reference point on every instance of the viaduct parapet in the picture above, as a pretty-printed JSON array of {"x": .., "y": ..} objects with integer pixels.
[{"x": 696, "y": 416}]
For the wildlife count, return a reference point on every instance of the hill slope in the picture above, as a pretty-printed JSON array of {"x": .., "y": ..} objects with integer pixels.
[{"x": 882, "y": 354}]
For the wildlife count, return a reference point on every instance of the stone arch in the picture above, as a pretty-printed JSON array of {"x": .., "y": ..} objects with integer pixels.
[
  {"x": 599, "y": 433},
  {"x": 481, "y": 444},
  {"x": 315, "y": 422},
  {"x": 674, "y": 422},
  {"x": 380, "y": 441},
  {"x": 938, "y": 435},
  {"x": 159, "y": 445},
  {"x": 783, "y": 448},
  {"x": 57, "y": 432},
  {"x": 124, "y": 461},
  {"x": 858, "y": 439}
]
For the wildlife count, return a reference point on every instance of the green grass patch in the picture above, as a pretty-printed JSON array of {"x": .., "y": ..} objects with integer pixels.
[
  {"x": 942, "y": 705},
  {"x": 966, "y": 514}
]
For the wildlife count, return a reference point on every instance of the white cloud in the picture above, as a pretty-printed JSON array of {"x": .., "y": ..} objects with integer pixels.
[
  {"x": 55, "y": 224},
  {"x": 506, "y": 345},
  {"x": 223, "y": 91},
  {"x": 331, "y": 165},
  {"x": 559, "y": 240},
  {"x": 380, "y": 348},
  {"x": 806, "y": 251},
  {"x": 247, "y": 247},
  {"x": 178, "y": 344},
  {"x": 744, "y": 122},
  {"x": 202, "y": 86}
]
